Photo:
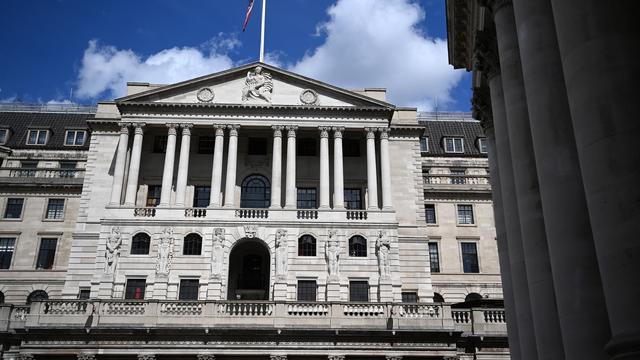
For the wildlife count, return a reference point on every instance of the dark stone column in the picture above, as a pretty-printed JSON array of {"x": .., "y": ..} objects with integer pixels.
[{"x": 581, "y": 308}]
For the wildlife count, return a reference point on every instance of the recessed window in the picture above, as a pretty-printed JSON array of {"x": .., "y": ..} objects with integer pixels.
[
  {"x": 306, "y": 147},
  {"x": 84, "y": 294},
  {"x": 206, "y": 144},
  {"x": 4, "y": 136},
  {"x": 201, "y": 196},
  {"x": 482, "y": 145},
  {"x": 351, "y": 147},
  {"x": 434, "y": 257},
  {"x": 47, "y": 253},
  {"x": 7, "y": 246},
  {"x": 28, "y": 168},
  {"x": 257, "y": 146},
  {"x": 160, "y": 144},
  {"x": 134, "y": 289},
  {"x": 430, "y": 213},
  {"x": 306, "y": 245},
  {"x": 437, "y": 298},
  {"x": 55, "y": 209},
  {"x": 453, "y": 145},
  {"x": 74, "y": 137},
  {"x": 458, "y": 176},
  {"x": 469, "y": 257},
  {"x": 307, "y": 290},
  {"x": 409, "y": 297},
  {"x": 189, "y": 289},
  {"x": 359, "y": 291},
  {"x": 37, "y": 137},
  {"x": 256, "y": 192},
  {"x": 307, "y": 198},
  {"x": 465, "y": 214},
  {"x": 357, "y": 246},
  {"x": 153, "y": 195},
  {"x": 424, "y": 145},
  {"x": 140, "y": 244},
  {"x": 353, "y": 199},
  {"x": 38, "y": 295},
  {"x": 14, "y": 208},
  {"x": 192, "y": 245}
]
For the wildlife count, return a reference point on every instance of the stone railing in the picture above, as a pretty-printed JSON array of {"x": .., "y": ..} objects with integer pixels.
[
  {"x": 144, "y": 212},
  {"x": 357, "y": 214},
  {"x": 307, "y": 214},
  {"x": 195, "y": 212},
  {"x": 42, "y": 176},
  {"x": 457, "y": 182},
  {"x": 252, "y": 213},
  {"x": 480, "y": 321}
]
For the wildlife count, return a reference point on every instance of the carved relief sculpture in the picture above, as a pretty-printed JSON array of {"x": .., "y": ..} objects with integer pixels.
[
  {"x": 258, "y": 85},
  {"x": 218, "y": 253},
  {"x": 281, "y": 253},
  {"x": 332, "y": 249},
  {"x": 382, "y": 250},
  {"x": 165, "y": 252},
  {"x": 250, "y": 231},
  {"x": 112, "y": 253}
]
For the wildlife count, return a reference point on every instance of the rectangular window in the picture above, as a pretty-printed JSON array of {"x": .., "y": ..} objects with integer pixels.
[
  {"x": 4, "y": 136},
  {"x": 351, "y": 147},
  {"x": 257, "y": 146},
  {"x": 7, "y": 246},
  {"x": 68, "y": 165},
  {"x": 47, "y": 253},
  {"x": 430, "y": 213},
  {"x": 74, "y": 137},
  {"x": 424, "y": 145},
  {"x": 458, "y": 176},
  {"x": 135, "y": 289},
  {"x": 153, "y": 195},
  {"x": 306, "y": 147},
  {"x": 469, "y": 257},
  {"x": 465, "y": 214},
  {"x": 353, "y": 199},
  {"x": 189, "y": 289},
  {"x": 14, "y": 208},
  {"x": 453, "y": 145},
  {"x": 201, "y": 196},
  {"x": 482, "y": 145},
  {"x": 307, "y": 198},
  {"x": 160, "y": 144},
  {"x": 37, "y": 137},
  {"x": 28, "y": 168},
  {"x": 359, "y": 291},
  {"x": 307, "y": 290},
  {"x": 206, "y": 144},
  {"x": 55, "y": 209},
  {"x": 409, "y": 297},
  {"x": 434, "y": 257},
  {"x": 84, "y": 294}
]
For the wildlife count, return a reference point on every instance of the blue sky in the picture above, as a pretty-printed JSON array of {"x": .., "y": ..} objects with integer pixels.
[{"x": 93, "y": 47}]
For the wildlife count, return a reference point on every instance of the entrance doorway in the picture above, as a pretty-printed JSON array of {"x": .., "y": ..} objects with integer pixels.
[{"x": 249, "y": 271}]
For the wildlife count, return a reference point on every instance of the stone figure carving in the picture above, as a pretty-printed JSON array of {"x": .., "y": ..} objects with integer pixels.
[
  {"x": 250, "y": 231},
  {"x": 165, "y": 252},
  {"x": 382, "y": 249},
  {"x": 258, "y": 85},
  {"x": 332, "y": 249},
  {"x": 112, "y": 253},
  {"x": 217, "y": 253},
  {"x": 86, "y": 357},
  {"x": 281, "y": 253}
]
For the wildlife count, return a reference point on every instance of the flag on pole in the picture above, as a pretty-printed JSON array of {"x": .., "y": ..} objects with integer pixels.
[{"x": 246, "y": 19}]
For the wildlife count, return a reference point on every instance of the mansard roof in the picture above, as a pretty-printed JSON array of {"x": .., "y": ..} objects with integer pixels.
[
  {"x": 19, "y": 123},
  {"x": 462, "y": 126}
]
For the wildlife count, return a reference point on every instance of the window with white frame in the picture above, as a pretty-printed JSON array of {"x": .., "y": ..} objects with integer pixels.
[
  {"x": 7, "y": 246},
  {"x": 74, "y": 137},
  {"x": 482, "y": 145},
  {"x": 453, "y": 145},
  {"x": 4, "y": 136},
  {"x": 469, "y": 251},
  {"x": 424, "y": 144},
  {"x": 37, "y": 137},
  {"x": 55, "y": 209},
  {"x": 465, "y": 214}
]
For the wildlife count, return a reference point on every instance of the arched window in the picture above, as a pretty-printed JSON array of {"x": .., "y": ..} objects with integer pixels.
[
  {"x": 256, "y": 192},
  {"x": 140, "y": 244},
  {"x": 437, "y": 298},
  {"x": 473, "y": 297},
  {"x": 192, "y": 245},
  {"x": 306, "y": 245},
  {"x": 37, "y": 295},
  {"x": 358, "y": 246}
]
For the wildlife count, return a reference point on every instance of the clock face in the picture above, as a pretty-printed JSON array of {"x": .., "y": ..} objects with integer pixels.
[{"x": 205, "y": 95}]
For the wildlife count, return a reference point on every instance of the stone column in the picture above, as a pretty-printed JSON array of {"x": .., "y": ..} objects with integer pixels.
[
  {"x": 167, "y": 173},
  {"x": 584, "y": 323},
  {"x": 385, "y": 169},
  {"x": 276, "y": 168},
  {"x": 121, "y": 160},
  {"x": 324, "y": 168},
  {"x": 232, "y": 163},
  {"x": 540, "y": 280},
  {"x": 216, "y": 171},
  {"x": 338, "y": 171},
  {"x": 372, "y": 177},
  {"x": 291, "y": 195},
  {"x": 183, "y": 166},
  {"x": 600, "y": 64},
  {"x": 134, "y": 166}
]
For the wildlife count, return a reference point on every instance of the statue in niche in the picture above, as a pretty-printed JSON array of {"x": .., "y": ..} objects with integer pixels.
[
  {"x": 382, "y": 250},
  {"x": 332, "y": 249},
  {"x": 165, "y": 252},
  {"x": 218, "y": 253},
  {"x": 258, "y": 85},
  {"x": 112, "y": 253},
  {"x": 281, "y": 253}
]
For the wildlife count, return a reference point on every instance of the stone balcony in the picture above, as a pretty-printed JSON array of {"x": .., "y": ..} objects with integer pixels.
[
  {"x": 457, "y": 183},
  {"x": 41, "y": 176}
]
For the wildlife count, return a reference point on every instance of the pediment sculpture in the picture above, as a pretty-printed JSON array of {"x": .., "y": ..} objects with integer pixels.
[{"x": 258, "y": 85}]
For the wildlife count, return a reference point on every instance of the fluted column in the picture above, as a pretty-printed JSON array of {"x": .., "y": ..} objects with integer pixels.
[
  {"x": 372, "y": 177},
  {"x": 183, "y": 166},
  {"x": 276, "y": 168},
  {"x": 121, "y": 160},
  {"x": 167, "y": 172},
  {"x": 324, "y": 168},
  {"x": 338, "y": 171},
  {"x": 134, "y": 166},
  {"x": 216, "y": 172},
  {"x": 290, "y": 200},
  {"x": 385, "y": 169},
  {"x": 232, "y": 159}
]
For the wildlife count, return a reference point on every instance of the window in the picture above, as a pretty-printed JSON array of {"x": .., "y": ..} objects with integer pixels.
[
  {"x": 453, "y": 145},
  {"x": 160, "y": 144},
  {"x": 351, "y": 147},
  {"x": 84, "y": 294},
  {"x": 4, "y": 136},
  {"x": 482, "y": 145},
  {"x": 55, "y": 209},
  {"x": 256, "y": 192},
  {"x": 307, "y": 290},
  {"x": 358, "y": 246},
  {"x": 153, "y": 195},
  {"x": 469, "y": 257},
  {"x": 437, "y": 298},
  {"x": 257, "y": 146},
  {"x": 37, "y": 137},
  {"x": 434, "y": 257},
  {"x": 38, "y": 295},
  {"x": 68, "y": 168},
  {"x": 430, "y": 213},
  {"x": 473, "y": 297},
  {"x": 47, "y": 253},
  {"x": 192, "y": 245},
  {"x": 14, "y": 208},
  {"x": 409, "y": 297},
  {"x": 465, "y": 215},
  {"x": 135, "y": 289},
  {"x": 424, "y": 144},
  {"x": 353, "y": 199},
  {"x": 201, "y": 196},
  {"x": 457, "y": 176},
  {"x": 74, "y": 137},
  {"x": 307, "y": 198},
  {"x": 306, "y": 147},
  {"x": 189, "y": 289},
  {"x": 140, "y": 244},
  {"x": 206, "y": 144},
  {"x": 28, "y": 168},
  {"x": 306, "y": 245},
  {"x": 7, "y": 246},
  {"x": 359, "y": 291}
]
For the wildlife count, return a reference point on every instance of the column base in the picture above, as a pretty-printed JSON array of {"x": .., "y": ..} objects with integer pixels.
[
  {"x": 387, "y": 208},
  {"x": 276, "y": 207},
  {"x": 129, "y": 204},
  {"x": 373, "y": 208}
]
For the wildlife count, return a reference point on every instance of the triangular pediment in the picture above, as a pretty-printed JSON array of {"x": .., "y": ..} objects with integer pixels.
[{"x": 248, "y": 85}]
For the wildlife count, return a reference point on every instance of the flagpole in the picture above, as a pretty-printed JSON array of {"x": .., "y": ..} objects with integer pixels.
[{"x": 264, "y": 6}]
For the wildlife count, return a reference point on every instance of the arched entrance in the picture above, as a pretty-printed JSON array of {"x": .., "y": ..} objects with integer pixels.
[{"x": 249, "y": 271}]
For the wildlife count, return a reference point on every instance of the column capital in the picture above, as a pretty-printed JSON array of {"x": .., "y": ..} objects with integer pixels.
[
  {"x": 139, "y": 128},
  {"x": 233, "y": 129},
  {"x": 172, "y": 128},
  {"x": 277, "y": 130},
  {"x": 481, "y": 106},
  {"x": 291, "y": 130},
  {"x": 335, "y": 357},
  {"x": 384, "y": 132},
  {"x": 278, "y": 357},
  {"x": 146, "y": 357},
  {"x": 324, "y": 131},
  {"x": 206, "y": 357},
  {"x": 485, "y": 54},
  {"x": 494, "y": 5},
  {"x": 124, "y": 128},
  {"x": 371, "y": 132},
  {"x": 219, "y": 129},
  {"x": 337, "y": 131},
  {"x": 186, "y": 129},
  {"x": 86, "y": 356}
]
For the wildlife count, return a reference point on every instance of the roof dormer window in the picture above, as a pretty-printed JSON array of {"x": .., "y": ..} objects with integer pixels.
[
  {"x": 424, "y": 144},
  {"x": 4, "y": 136},
  {"x": 74, "y": 137},
  {"x": 37, "y": 137},
  {"x": 482, "y": 145},
  {"x": 453, "y": 145}
]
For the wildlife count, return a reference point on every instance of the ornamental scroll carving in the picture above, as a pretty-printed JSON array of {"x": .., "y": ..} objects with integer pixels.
[
  {"x": 217, "y": 255},
  {"x": 112, "y": 251},
  {"x": 258, "y": 85},
  {"x": 382, "y": 249},
  {"x": 165, "y": 252}
]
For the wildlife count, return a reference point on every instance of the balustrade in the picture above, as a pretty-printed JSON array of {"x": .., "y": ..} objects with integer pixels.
[
  {"x": 252, "y": 213},
  {"x": 307, "y": 214},
  {"x": 65, "y": 307},
  {"x": 459, "y": 182},
  {"x": 364, "y": 310},
  {"x": 494, "y": 316},
  {"x": 307, "y": 309},
  {"x": 461, "y": 316},
  {"x": 144, "y": 212},
  {"x": 195, "y": 212},
  {"x": 181, "y": 308},
  {"x": 357, "y": 214},
  {"x": 420, "y": 311},
  {"x": 245, "y": 309}
]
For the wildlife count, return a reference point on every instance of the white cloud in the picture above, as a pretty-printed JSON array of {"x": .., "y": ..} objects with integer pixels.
[{"x": 375, "y": 43}]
